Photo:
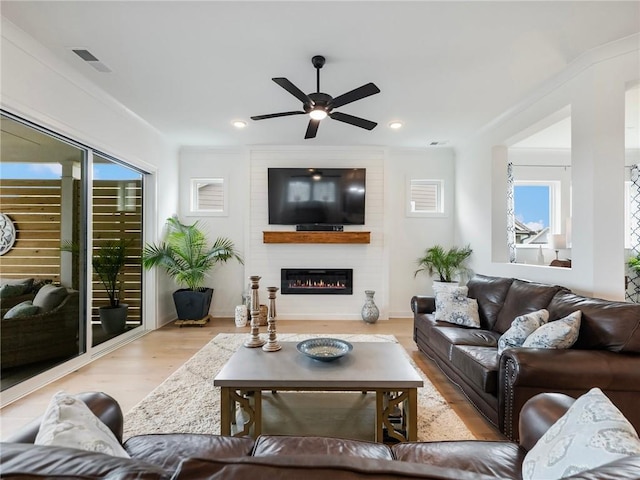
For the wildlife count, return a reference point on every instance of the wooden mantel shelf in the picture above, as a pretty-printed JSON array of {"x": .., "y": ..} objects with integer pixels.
[{"x": 316, "y": 237}]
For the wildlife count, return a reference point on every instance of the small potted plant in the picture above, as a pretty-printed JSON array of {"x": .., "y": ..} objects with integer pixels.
[
  {"x": 442, "y": 263},
  {"x": 187, "y": 259},
  {"x": 108, "y": 261},
  {"x": 634, "y": 263}
]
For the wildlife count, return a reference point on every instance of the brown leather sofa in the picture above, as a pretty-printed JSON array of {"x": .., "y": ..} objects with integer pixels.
[
  {"x": 190, "y": 456},
  {"x": 606, "y": 354}
]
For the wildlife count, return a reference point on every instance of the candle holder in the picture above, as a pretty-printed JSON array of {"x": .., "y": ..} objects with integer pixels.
[
  {"x": 272, "y": 345},
  {"x": 254, "y": 339}
]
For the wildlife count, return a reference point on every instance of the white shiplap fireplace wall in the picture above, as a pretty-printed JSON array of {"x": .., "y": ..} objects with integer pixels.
[{"x": 370, "y": 268}]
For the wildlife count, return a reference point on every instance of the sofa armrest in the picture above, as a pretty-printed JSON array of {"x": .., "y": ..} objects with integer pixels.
[
  {"x": 525, "y": 372},
  {"x": 539, "y": 413},
  {"x": 105, "y": 407},
  {"x": 423, "y": 304}
]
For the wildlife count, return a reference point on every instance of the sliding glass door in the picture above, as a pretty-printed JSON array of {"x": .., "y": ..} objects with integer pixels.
[{"x": 70, "y": 248}]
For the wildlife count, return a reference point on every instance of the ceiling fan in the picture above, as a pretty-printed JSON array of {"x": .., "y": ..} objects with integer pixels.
[{"x": 320, "y": 105}]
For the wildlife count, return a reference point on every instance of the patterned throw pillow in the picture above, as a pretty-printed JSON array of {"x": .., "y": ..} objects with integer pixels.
[
  {"x": 448, "y": 287},
  {"x": 521, "y": 328},
  {"x": 559, "y": 334},
  {"x": 24, "y": 309},
  {"x": 454, "y": 306},
  {"x": 591, "y": 433},
  {"x": 68, "y": 422}
]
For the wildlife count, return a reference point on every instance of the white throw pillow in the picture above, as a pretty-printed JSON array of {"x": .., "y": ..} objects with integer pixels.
[
  {"x": 455, "y": 307},
  {"x": 449, "y": 287},
  {"x": 68, "y": 422},
  {"x": 591, "y": 433},
  {"x": 558, "y": 334},
  {"x": 521, "y": 328}
]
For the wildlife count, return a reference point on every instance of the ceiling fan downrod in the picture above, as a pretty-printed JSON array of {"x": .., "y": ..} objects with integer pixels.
[{"x": 318, "y": 63}]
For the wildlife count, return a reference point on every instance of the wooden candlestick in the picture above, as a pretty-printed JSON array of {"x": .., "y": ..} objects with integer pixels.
[
  {"x": 254, "y": 339},
  {"x": 272, "y": 345}
]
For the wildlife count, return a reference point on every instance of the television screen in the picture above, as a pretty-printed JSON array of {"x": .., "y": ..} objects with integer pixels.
[{"x": 322, "y": 196}]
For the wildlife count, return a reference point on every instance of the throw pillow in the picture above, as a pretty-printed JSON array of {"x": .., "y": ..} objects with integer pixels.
[
  {"x": 68, "y": 422},
  {"x": 24, "y": 309},
  {"x": 49, "y": 297},
  {"x": 521, "y": 328},
  {"x": 455, "y": 307},
  {"x": 9, "y": 291},
  {"x": 449, "y": 287},
  {"x": 591, "y": 433},
  {"x": 559, "y": 334}
]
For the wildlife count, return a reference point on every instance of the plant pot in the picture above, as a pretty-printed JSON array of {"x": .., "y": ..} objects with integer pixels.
[
  {"x": 192, "y": 304},
  {"x": 114, "y": 319}
]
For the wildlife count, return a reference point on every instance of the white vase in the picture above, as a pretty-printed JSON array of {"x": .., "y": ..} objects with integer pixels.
[{"x": 241, "y": 316}]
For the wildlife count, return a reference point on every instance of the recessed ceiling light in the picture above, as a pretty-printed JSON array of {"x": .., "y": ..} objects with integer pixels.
[
  {"x": 239, "y": 124},
  {"x": 395, "y": 125}
]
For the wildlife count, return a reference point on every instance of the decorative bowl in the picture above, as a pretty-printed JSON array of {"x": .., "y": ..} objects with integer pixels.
[{"x": 324, "y": 349}]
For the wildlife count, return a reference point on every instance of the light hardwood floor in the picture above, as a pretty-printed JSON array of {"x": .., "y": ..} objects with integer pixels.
[{"x": 132, "y": 371}]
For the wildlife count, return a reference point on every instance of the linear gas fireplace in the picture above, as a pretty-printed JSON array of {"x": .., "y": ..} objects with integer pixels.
[{"x": 316, "y": 281}]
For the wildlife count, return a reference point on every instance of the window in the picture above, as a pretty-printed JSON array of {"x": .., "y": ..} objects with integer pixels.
[
  {"x": 209, "y": 196},
  {"x": 424, "y": 198},
  {"x": 536, "y": 211}
]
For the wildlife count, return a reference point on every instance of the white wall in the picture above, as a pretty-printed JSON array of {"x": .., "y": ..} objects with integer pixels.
[
  {"x": 40, "y": 88},
  {"x": 386, "y": 265},
  {"x": 594, "y": 86}
]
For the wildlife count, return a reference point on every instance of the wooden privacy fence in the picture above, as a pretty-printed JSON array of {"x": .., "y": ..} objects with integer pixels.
[{"x": 35, "y": 208}]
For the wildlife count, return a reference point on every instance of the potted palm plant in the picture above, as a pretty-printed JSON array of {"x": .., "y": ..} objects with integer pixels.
[
  {"x": 442, "y": 263},
  {"x": 187, "y": 258},
  {"x": 108, "y": 261}
]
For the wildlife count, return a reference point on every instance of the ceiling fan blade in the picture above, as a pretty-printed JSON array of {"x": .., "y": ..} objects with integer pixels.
[
  {"x": 357, "y": 121},
  {"x": 274, "y": 115},
  {"x": 356, "y": 94},
  {"x": 312, "y": 129},
  {"x": 293, "y": 90}
]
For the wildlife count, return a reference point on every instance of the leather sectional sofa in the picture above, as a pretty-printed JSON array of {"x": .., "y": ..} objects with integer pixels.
[
  {"x": 606, "y": 353},
  {"x": 190, "y": 456}
]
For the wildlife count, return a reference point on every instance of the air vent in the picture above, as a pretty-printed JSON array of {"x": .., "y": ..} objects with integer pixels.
[
  {"x": 437, "y": 143},
  {"x": 91, "y": 59}
]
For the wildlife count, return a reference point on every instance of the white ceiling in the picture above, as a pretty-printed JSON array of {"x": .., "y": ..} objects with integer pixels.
[{"x": 445, "y": 69}]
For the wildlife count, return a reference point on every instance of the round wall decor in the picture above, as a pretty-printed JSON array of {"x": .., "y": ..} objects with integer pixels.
[{"x": 7, "y": 234}]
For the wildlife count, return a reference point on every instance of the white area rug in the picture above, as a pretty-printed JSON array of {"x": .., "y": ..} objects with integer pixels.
[{"x": 188, "y": 402}]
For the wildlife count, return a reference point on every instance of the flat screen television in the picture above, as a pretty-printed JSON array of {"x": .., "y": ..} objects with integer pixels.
[{"x": 316, "y": 196}]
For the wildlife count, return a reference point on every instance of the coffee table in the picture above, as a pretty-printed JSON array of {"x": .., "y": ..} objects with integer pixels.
[{"x": 380, "y": 367}]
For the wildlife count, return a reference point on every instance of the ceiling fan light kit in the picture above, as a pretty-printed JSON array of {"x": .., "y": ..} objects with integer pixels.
[{"x": 320, "y": 105}]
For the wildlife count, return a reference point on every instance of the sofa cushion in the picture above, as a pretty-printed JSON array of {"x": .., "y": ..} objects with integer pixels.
[
  {"x": 315, "y": 467},
  {"x": 68, "y": 422},
  {"x": 497, "y": 459},
  {"x": 453, "y": 306},
  {"x": 25, "y": 282},
  {"x": 605, "y": 324},
  {"x": 167, "y": 450},
  {"x": 443, "y": 337},
  {"x": 521, "y": 328},
  {"x": 524, "y": 297},
  {"x": 28, "y": 461},
  {"x": 490, "y": 293},
  {"x": 479, "y": 365},
  {"x": 593, "y": 432},
  {"x": 10, "y": 291},
  {"x": 23, "y": 309},
  {"x": 49, "y": 297},
  {"x": 295, "y": 445},
  {"x": 558, "y": 334}
]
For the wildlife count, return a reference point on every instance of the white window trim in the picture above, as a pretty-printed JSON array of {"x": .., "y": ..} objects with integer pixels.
[
  {"x": 440, "y": 203},
  {"x": 194, "y": 184}
]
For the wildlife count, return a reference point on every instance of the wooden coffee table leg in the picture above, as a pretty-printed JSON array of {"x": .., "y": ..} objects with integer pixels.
[
  {"x": 225, "y": 411},
  {"x": 379, "y": 436},
  {"x": 412, "y": 415}
]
